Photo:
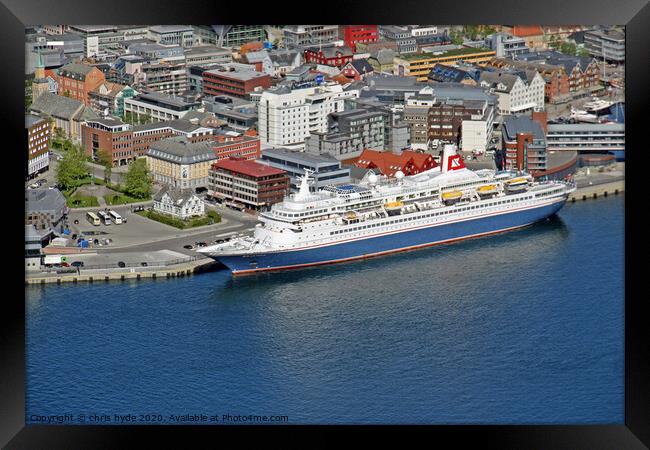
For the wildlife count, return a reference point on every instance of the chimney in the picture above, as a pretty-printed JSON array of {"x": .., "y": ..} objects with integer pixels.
[{"x": 540, "y": 117}]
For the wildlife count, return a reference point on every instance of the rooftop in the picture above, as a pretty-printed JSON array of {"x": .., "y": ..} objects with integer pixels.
[
  {"x": 456, "y": 52},
  {"x": 246, "y": 167}
]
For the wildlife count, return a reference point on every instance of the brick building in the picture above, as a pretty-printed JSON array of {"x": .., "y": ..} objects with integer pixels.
[
  {"x": 37, "y": 131},
  {"x": 78, "y": 80},
  {"x": 247, "y": 183},
  {"x": 524, "y": 142},
  {"x": 233, "y": 82},
  {"x": 110, "y": 135},
  {"x": 245, "y": 145}
]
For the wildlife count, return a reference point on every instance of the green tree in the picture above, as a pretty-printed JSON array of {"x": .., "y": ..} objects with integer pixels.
[
  {"x": 71, "y": 168},
  {"x": 138, "y": 180},
  {"x": 568, "y": 48},
  {"x": 104, "y": 158},
  {"x": 28, "y": 94}
]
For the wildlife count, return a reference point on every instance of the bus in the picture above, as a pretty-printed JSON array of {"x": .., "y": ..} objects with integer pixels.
[
  {"x": 105, "y": 217},
  {"x": 93, "y": 218},
  {"x": 117, "y": 219}
]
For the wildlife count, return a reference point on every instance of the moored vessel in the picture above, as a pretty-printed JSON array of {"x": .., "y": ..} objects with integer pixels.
[{"x": 382, "y": 215}]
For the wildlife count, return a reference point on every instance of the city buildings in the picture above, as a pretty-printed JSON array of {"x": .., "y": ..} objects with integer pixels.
[
  {"x": 159, "y": 107},
  {"x": 248, "y": 183},
  {"x": 349, "y": 133},
  {"x": 514, "y": 93},
  {"x": 606, "y": 43},
  {"x": 388, "y": 163},
  {"x": 232, "y": 144},
  {"x": 180, "y": 163},
  {"x": 230, "y": 36},
  {"x": 45, "y": 209},
  {"x": 506, "y": 45},
  {"x": 448, "y": 74},
  {"x": 467, "y": 123},
  {"x": 326, "y": 169},
  {"x": 357, "y": 69},
  {"x": 302, "y": 35},
  {"x": 524, "y": 142},
  {"x": 555, "y": 78},
  {"x": 420, "y": 64},
  {"x": 533, "y": 35},
  {"x": 354, "y": 34},
  {"x": 236, "y": 83},
  {"x": 109, "y": 135},
  {"x": 207, "y": 54},
  {"x": 182, "y": 35},
  {"x": 286, "y": 116},
  {"x": 180, "y": 203},
  {"x": 237, "y": 113},
  {"x": 108, "y": 98},
  {"x": 586, "y": 137},
  {"x": 76, "y": 81},
  {"x": 67, "y": 114},
  {"x": 329, "y": 56},
  {"x": 37, "y": 134}
]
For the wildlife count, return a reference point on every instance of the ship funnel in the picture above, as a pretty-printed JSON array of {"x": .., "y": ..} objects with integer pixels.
[{"x": 450, "y": 160}]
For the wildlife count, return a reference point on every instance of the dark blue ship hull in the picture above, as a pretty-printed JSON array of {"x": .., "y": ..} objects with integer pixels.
[{"x": 389, "y": 242}]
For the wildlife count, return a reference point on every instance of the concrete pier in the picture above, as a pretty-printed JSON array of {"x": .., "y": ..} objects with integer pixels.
[
  {"x": 92, "y": 276},
  {"x": 597, "y": 190}
]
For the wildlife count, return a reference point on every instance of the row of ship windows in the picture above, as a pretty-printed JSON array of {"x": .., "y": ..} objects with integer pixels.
[{"x": 428, "y": 215}]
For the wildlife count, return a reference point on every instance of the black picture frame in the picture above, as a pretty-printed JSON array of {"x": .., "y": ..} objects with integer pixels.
[{"x": 635, "y": 14}]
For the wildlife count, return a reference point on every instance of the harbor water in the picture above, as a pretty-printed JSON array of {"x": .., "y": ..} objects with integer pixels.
[{"x": 519, "y": 328}]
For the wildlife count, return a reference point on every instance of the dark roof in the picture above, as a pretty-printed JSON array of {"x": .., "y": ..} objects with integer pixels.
[
  {"x": 178, "y": 196},
  {"x": 514, "y": 125},
  {"x": 444, "y": 73},
  {"x": 32, "y": 119},
  {"x": 181, "y": 151},
  {"x": 362, "y": 66},
  {"x": 62, "y": 107},
  {"x": 77, "y": 71},
  {"x": 44, "y": 200}
]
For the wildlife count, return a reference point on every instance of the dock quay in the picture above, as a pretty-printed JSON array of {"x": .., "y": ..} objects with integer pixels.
[
  {"x": 597, "y": 190},
  {"x": 122, "y": 274}
]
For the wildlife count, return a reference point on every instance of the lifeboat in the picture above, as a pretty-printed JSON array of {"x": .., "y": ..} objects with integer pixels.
[
  {"x": 350, "y": 215},
  {"x": 393, "y": 208},
  {"x": 517, "y": 181},
  {"x": 487, "y": 190},
  {"x": 393, "y": 205},
  {"x": 452, "y": 195},
  {"x": 516, "y": 184}
]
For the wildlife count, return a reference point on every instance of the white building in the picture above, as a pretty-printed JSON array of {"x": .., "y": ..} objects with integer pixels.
[
  {"x": 286, "y": 117},
  {"x": 159, "y": 107},
  {"x": 515, "y": 95},
  {"x": 182, "y": 35},
  {"x": 477, "y": 130},
  {"x": 182, "y": 204}
]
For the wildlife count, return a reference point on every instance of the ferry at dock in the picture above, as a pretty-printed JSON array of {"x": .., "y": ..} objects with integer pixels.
[{"x": 382, "y": 215}]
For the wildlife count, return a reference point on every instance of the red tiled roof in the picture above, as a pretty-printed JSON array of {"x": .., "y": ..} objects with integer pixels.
[
  {"x": 389, "y": 163},
  {"x": 247, "y": 167},
  {"x": 527, "y": 30}
]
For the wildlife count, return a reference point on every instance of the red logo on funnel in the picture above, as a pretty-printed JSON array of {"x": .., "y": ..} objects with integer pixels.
[{"x": 455, "y": 162}]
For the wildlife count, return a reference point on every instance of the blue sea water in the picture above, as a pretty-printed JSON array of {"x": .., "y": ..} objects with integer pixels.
[{"x": 519, "y": 328}]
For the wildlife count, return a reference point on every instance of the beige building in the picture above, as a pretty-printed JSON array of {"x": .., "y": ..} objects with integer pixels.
[{"x": 180, "y": 163}]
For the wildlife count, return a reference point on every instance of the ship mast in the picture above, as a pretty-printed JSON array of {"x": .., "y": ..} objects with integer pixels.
[{"x": 303, "y": 189}]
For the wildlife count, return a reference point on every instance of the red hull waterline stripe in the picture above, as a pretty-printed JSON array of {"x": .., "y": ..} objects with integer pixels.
[{"x": 371, "y": 255}]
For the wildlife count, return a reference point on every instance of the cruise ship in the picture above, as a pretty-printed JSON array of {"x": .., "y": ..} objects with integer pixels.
[{"x": 382, "y": 215}]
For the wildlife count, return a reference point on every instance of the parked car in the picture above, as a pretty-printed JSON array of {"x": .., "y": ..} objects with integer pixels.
[
  {"x": 188, "y": 247},
  {"x": 77, "y": 264},
  {"x": 121, "y": 264},
  {"x": 96, "y": 241},
  {"x": 201, "y": 244},
  {"x": 144, "y": 264},
  {"x": 76, "y": 221}
]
